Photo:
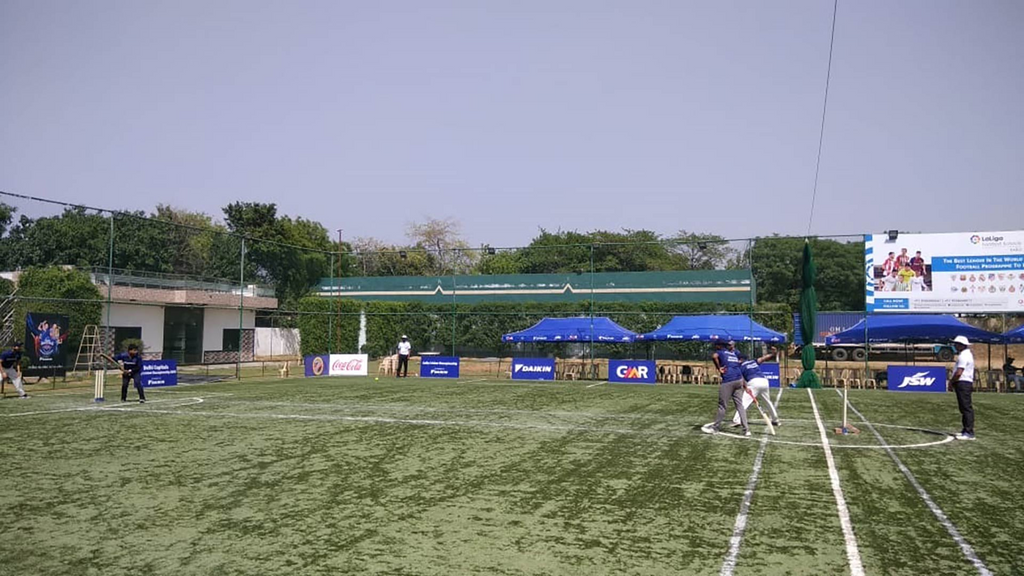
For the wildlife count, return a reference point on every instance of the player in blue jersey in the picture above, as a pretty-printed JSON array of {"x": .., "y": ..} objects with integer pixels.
[
  {"x": 10, "y": 360},
  {"x": 131, "y": 369},
  {"x": 758, "y": 386},
  {"x": 728, "y": 364}
]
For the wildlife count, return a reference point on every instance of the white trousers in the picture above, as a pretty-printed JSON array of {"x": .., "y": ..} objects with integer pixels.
[
  {"x": 759, "y": 387},
  {"x": 15, "y": 378}
]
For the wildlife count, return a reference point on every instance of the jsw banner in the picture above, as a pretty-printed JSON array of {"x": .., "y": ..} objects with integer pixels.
[
  {"x": 632, "y": 371},
  {"x": 917, "y": 378},
  {"x": 439, "y": 367},
  {"x": 159, "y": 373},
  {"x": 533, "y": 369},
  {"x": 771, "y": 372}
]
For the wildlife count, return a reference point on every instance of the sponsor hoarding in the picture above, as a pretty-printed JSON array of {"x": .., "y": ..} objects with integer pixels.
[
  {"x": 159, "y": 373},
  {"x": 533, "y": 369},
  {"x": 46, "y": 344},
  {"x": 917, "y": 378},
  {"x": 945, "y": 273},
  {"x": 771, "y": 372},
  {"x": 439, "y": 367},
  {"x": 317, "y": 365},
  {"x": 632, "y": 371},
  {"x": 348, "y": 365}
]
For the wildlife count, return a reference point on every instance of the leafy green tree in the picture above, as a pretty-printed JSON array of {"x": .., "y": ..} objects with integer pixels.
[
  {"x": 776, "y": 267},
  {"x": 58, "y": 291}
]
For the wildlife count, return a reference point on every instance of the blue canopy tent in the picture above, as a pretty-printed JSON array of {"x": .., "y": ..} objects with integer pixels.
[
  {"x": 599, "y": 329},
  {"x": 1015, "y": 336},
  {"x": 713, "y": 327},
  {"x": 911, "y": 328}
]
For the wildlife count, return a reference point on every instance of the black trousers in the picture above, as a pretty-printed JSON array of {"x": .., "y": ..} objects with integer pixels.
[
  {"x": 403, "y": 361},
  {"x": 125, "y": 379},
  {"x": 963, "y": 402}
]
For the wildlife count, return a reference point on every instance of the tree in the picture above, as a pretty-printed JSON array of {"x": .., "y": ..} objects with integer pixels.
[
  {"x": 292, "y": 255},
  {"x": 377, "y": 258},
  {"x": 57, "y": 291},
  {"x": 701, "y": 251},
  {"x": 776, "y": 266},
  {"x": 202, "y": 247},
  {"x": 448, "y": 252}
]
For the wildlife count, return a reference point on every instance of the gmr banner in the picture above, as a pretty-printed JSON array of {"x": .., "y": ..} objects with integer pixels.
[
  {"x": 439, "y": 367},
  {"x": 917, "y": 378},
  {"x": 533, "y": 369},
  {"x": 632, "y": 371}
]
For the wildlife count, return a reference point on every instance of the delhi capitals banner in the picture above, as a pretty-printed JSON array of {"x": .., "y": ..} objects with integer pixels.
[
  {"x": 533, "y": 369},
  {"x": 439, "y": 367},
  {"x": 945, "y": 273},
  {"x": 316, "y": 365},
  {"x": 771, "y": 372},
  {"x": 159, "y": 373},
  {"x": 917, "y": 378},
  {"x": 632, "y": 371},
  {"x": 46, "y": 344}
]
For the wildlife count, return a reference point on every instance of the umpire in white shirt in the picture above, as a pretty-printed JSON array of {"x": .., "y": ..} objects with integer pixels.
[
  {"x": 963, "y": 385},
  {"x": 404, "y": 350}
]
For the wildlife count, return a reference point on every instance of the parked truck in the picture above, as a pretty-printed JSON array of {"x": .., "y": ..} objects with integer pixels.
[{"x": 829, "y": 323}]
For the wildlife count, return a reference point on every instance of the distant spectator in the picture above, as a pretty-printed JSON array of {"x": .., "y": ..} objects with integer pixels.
[{"x": 1011, "y": 374}]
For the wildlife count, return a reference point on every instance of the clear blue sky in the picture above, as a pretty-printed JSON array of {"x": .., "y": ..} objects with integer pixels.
[{"x": 514, "y": 115}]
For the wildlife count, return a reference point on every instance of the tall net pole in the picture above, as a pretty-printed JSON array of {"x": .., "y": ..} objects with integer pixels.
[{"x": 241, "y": 309}]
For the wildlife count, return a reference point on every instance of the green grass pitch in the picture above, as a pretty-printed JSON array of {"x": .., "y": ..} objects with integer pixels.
[{"x": 354, "y": 476}]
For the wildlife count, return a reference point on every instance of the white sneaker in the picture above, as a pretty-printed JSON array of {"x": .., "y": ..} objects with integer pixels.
[
  {"x": 708, "y": 429},
  {"x": 747, "y": 433},
  {"x": 964, "y": 436}
]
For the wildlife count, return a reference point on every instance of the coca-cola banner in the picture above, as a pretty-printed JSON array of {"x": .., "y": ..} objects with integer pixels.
[{"x": 349, "y": 365}]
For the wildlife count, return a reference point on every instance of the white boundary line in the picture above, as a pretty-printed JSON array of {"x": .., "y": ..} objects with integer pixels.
[
  {"x": 740, "y": 527},
  {"x": 852, "y": 552},
  {"x": 596, "y": 384},
  {"x": 965, "y": 547}
]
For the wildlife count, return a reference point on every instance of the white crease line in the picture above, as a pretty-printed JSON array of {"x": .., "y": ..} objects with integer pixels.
[
  {"x": 965, "y": 547},
  {"x": 852, "y": 552},
  {"x": 100, "y": 406},
  {"x": 472, "y": 381},
  {"x": 596, "y": 384},
  {"x": 740, "y": 527}
]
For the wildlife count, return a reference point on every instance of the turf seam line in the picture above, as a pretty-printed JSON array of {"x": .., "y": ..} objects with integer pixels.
[
  {"x": 740, "y": 527},
  {"x": 852, "y": 552},
  {"x": 965, "y": 547}
]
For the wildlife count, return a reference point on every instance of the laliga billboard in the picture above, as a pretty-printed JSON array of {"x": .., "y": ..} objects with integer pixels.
[{"x": 945, "y": 273}]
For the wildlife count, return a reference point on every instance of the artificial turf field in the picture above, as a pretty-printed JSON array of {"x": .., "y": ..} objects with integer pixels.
[{"x": 336, "y": 476}]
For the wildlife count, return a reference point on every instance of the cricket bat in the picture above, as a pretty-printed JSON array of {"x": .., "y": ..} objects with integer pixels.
[{"x": 767, "y": 420}]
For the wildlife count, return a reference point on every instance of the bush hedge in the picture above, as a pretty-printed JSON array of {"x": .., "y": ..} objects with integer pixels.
[
  {"x": 58, "y": 291},
  {"x": 477, "y": 328}
]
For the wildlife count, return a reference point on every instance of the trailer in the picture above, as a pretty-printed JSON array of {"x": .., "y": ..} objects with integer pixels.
[{"x": 829, "y": 323}]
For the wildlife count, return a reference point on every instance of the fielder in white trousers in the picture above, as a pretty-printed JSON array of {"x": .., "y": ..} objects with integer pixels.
[
  {"x": 758, "y": 387},
  {"x": 15, "y": 378}
]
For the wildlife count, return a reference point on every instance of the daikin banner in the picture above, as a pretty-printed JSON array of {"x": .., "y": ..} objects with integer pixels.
[{"x": 945, "y": 273}]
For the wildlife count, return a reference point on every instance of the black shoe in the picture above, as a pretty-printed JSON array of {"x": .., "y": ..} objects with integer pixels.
[
  {"x": 142, "y": 400},
  {"x": 776, "y": 424}
]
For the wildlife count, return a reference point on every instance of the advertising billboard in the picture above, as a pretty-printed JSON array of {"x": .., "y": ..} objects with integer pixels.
[
  {"x": 157, "y": 373},
  {"x": 917, "y": 378},
  {"x": 439, "y": 367},
  {"x": 45, "y": 344},
  {"x": 533, "y": 369},
  {"x": 945, "y": 273},
  {"x": 632, "y": 371}
]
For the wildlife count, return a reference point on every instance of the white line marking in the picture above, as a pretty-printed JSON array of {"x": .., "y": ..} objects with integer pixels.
[
  {"x": 852, "y": 552},
  {"x": 98, "y": 406},
  {"x": 741, "y": 519},
  {"x": 965, "y": 547},
  {"x": 596, "y": 384},
  {"x": 471, "y": 381}
]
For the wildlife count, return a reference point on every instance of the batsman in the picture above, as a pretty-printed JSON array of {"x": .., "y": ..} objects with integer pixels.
[{"x": 131, "y": 369}]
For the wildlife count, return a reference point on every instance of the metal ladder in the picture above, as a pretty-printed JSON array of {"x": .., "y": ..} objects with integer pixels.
[
  {"x": 7, "y": 318},
  {"x": 88, "y": 349}
]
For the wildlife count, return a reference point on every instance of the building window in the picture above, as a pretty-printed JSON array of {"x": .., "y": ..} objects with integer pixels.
[
  {"x": 122, "y": 333},
  {"x": 230, "y": 343}
]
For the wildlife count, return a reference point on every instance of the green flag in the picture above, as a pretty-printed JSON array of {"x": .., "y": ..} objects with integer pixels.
[{"x": 808, "y": 316}]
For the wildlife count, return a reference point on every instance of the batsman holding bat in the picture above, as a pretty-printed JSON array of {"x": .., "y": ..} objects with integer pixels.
[
  {"x": 131, "y": 368},
  {"x": 758, "y": 387}
]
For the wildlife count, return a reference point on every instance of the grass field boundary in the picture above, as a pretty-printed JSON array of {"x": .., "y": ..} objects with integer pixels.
[
  {"x": 965, "y": 547},
  {"x": 852, "y": 551},
  {"x": 740, "y": 526}
]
